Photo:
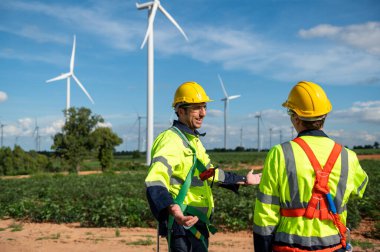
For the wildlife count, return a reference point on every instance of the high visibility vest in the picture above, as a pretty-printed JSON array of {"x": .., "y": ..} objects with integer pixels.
[
  {"x": 172, "y": 159},
  {"x": 287, "y": 181},
  {"x": 178, "y": 159},
  {"x": 321, "y": 205}
]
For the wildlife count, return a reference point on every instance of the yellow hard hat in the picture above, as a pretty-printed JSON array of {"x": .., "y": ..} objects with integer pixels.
[
  {"x": 190, "y": 92},
  {"x": 308, "y": 100}
]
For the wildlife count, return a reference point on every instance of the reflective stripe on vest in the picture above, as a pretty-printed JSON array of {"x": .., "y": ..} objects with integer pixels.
[
  {"x": 320, "y": 205},
  {"x": 293, "y": 184},
  {"x": 277, "y": 248},
  {"x": 190, "y": 181}
]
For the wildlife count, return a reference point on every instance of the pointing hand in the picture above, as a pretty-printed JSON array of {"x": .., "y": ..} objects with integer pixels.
[{"x": 253, "y": 179}]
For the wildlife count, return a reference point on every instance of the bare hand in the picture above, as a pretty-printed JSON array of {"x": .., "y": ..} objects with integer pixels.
[
  {"x": 253, "y": 179},
  {"x": 181, "y": 219}
]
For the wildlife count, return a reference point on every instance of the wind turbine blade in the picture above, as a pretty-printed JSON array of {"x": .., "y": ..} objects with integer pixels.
[
  {"x": 72, "y": 56},
  {"x": 60, "y": 77},
  {"x": 152, "y": 16},
  {"x": 224, "y": 90},
  {"x": 162, "y": 9},
  {"x": 233, "y": 97},
  {"x": 261, "y": 119},
  {"x": 82, "y": 87},
  {"x": 144, "y": 5}
]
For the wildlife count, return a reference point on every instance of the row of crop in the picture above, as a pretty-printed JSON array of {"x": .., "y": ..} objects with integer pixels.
[
  {"x": 116, "y": 200},
  {"x": 93, "y": 200}
]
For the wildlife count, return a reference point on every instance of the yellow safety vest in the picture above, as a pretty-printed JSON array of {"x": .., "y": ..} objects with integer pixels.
[
  {"x": 172, "y": 159},
  {"x": 287, "y": 182}
]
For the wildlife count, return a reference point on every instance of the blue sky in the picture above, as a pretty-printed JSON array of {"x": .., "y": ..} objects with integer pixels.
[{"x": 260, "y": 49}]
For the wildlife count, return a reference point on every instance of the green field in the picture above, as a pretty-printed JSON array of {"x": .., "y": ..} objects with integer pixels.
[{"x": 117, "y": 199}]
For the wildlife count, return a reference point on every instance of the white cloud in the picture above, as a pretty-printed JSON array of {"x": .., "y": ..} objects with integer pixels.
[
  {"x": 323, "y": 30},
  {"x": 333, "y": 64},
  {"x": 3, "y": 96},
  {"x": 231, "y": 47},
  {"x": 214, "y": 113},
  {"x": 26, "y": 122},
  {"x": 354, "y": 138},
  {"x": 92, "y": 19},
  {"x": 368, "y": 112},
  {"x": 32, "y": 32},
  {"x": 104, "y": 125},
  {"x": 53, "y": 58},
  {"x": 53, "y": 128},
  {"x": 363, "y": 36}
]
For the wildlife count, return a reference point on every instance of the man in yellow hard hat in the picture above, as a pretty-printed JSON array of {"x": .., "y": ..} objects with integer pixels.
[
  {"x": 306, "y": 182},
  {"x": 181, "y": 175}
]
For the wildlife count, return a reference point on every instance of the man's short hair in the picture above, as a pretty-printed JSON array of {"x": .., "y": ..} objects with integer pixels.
[{"x": 313, "y": 125}]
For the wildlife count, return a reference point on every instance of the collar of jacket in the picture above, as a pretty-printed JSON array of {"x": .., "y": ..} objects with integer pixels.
[
  {"x": 312, "y": 133},
  {"x": 184, "y": 128}
]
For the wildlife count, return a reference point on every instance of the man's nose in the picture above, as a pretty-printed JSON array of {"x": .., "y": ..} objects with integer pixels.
[{"x": 202, "y": 111}]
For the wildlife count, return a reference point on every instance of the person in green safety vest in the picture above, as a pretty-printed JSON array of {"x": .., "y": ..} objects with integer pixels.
[
  {"x": 180, "y": 177},
  {"x": 306, "y": 183}
]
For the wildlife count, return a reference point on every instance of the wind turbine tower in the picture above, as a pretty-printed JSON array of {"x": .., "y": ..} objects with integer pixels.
[
  {"x": 259, "y": 118},
  {"x": 139, "y": 138},
  {"x": 270, "y": 138},
  {"x": 226, "y": 101},
  {"x": 68, "y": 76},
  {"x": 37, "y": 136},
  {"x": 152, "y": 10}
]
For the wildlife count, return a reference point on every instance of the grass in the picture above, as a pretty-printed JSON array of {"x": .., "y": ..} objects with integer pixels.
[
  {"x": 117, "y": 232},
  {"x": 362, "y": 244},
  {"x": 50, "y": 237},
  {"x": 141, "y": 242},
  {"x": 15, "y": 227}
]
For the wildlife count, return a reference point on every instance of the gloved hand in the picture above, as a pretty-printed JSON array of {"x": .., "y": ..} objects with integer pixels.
[{"x": 181, "y": 219}]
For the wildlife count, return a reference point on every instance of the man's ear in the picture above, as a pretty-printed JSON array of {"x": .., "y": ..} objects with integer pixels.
[{"x": 180, "y": 111}]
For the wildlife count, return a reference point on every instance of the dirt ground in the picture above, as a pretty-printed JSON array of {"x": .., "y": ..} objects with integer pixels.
[{"x": 46, "y": 237}]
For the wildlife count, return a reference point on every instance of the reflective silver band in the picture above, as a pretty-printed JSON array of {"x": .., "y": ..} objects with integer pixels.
[{"x": 307, "y": 241}]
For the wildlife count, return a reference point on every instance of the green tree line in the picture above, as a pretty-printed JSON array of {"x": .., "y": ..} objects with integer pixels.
[{"x": 81, "y": 136}]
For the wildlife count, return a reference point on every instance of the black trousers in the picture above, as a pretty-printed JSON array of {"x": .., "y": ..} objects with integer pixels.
[{"x": 187, "y": 243}]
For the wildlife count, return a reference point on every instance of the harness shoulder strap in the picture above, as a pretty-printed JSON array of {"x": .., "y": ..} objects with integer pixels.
[
  {"x": 321, "y": 192},
  {"x": 313, "y": 160}
]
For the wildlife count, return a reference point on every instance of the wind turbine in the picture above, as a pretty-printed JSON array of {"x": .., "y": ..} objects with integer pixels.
[
  {"x": 270, "y": 137},
  {"x": 152, "y": 7},
  {"x": 226, "y": 100},
  {"x": 241, "y": 137},
  {"x": 259, "y": 118},
  {"x": 37, "y": 135},
  {"x": 68, "y": 76},
  {"x": 139, "y": 139}
]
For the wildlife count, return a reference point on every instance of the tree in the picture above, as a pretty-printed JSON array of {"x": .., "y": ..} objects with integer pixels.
[
  {"x": 6, "y": 162},
  {"x": 73, "y": 144},
  {"x": 19, "y": 160},
  {"x": 104, "y": 141},
  {"x": 376, "y": 145}
]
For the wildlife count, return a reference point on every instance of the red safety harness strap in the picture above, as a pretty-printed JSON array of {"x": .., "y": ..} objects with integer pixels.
[
  {"x": 319, "y": 193},
  {"x": 277, "y": 248}
]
